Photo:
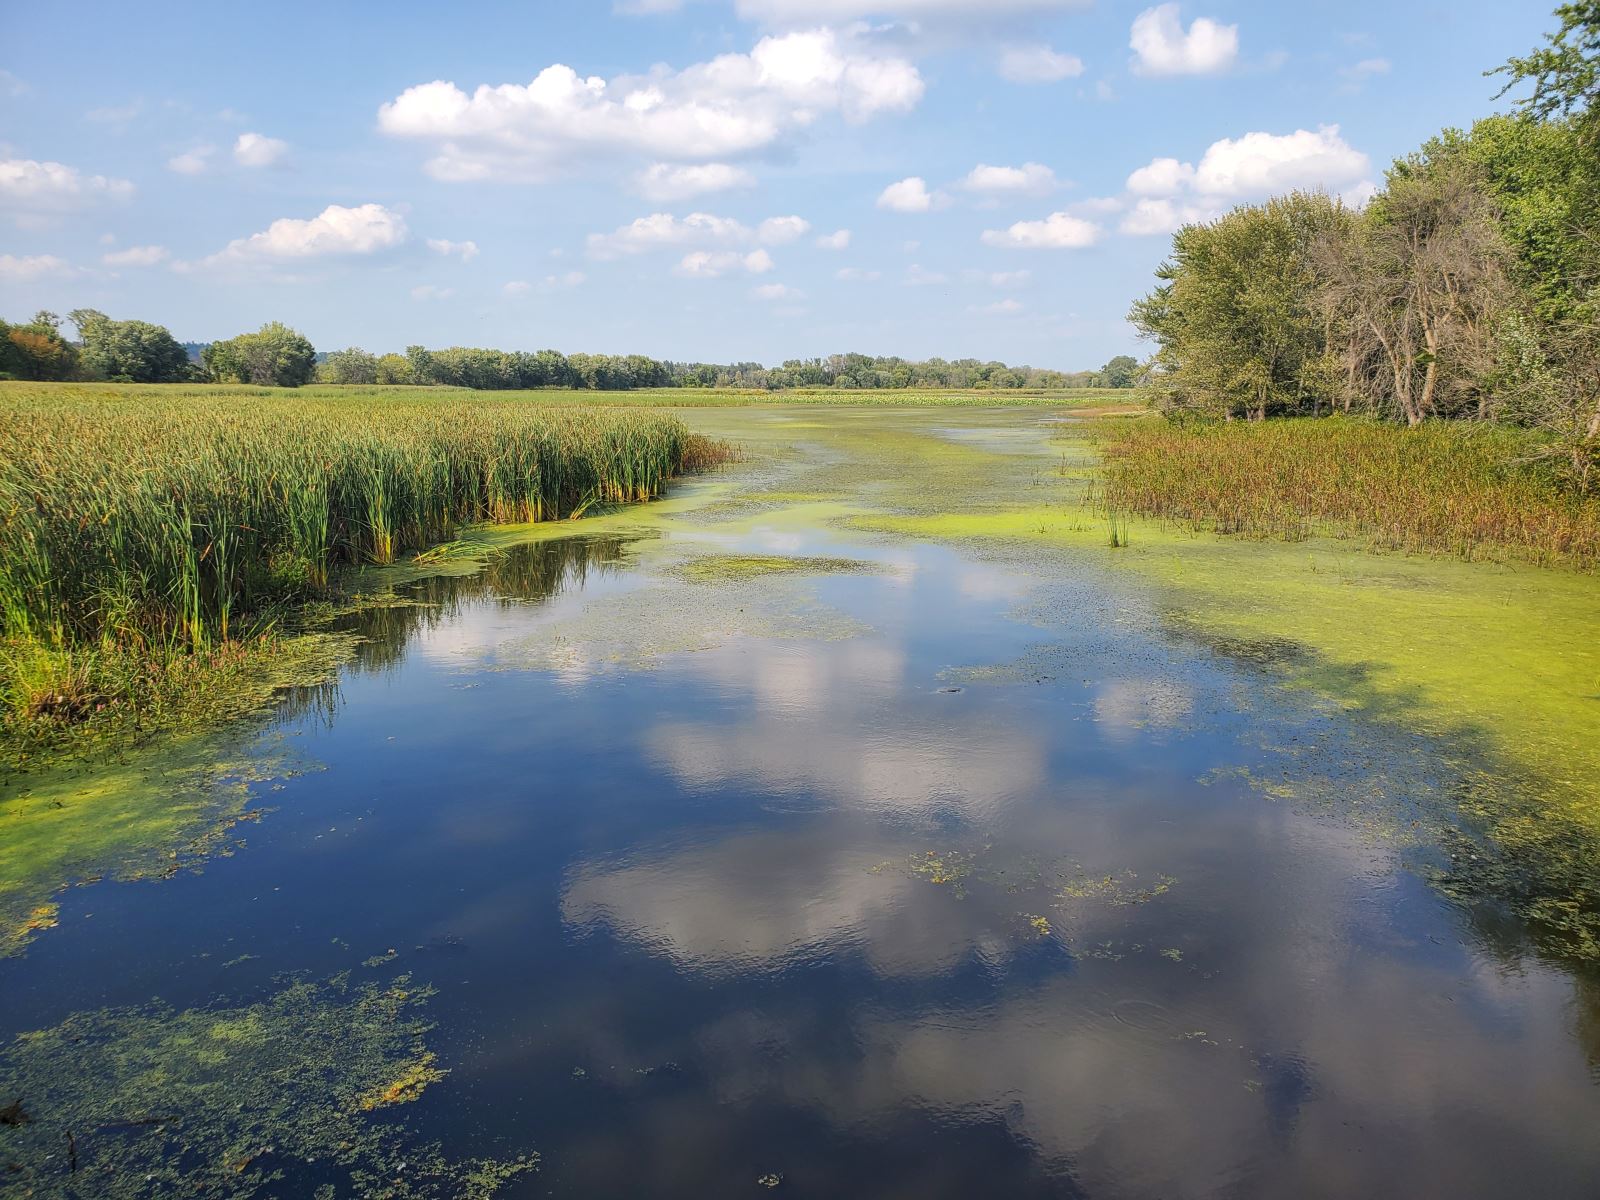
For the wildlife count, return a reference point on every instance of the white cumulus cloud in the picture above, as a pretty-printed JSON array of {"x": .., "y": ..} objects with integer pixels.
[
  {"x": 1259, "y": 163},
  {"x": 777, "y": 291},
  {"x": 780, "y": 231},
  {"x": 660, "y": 230},
  {"x": 839, "y": 239},
  {"x": 258, "y": 150},
  {"x": 136, "y": 256},
  {"x": 1058, "y": 231},
  {"x": 1153, "y": 215},
  {"x": 1030, "y": 179},
  {"x": 48, "y": 188},
  {"x": 1162, "y": 46},
  {"x": 910, "y": 196},
  {"x": 1038, "y": 64},
  {"x": 666, "y": 182},
  {"x": 1161, "y": 177},
  {"x": 734, "y": 104},
  {"x": 427, "y": 291},
  {"x": 707, "y": 264},
  {"x": 334, "y": 231},
  {"x": 1170, "y": 193},
  {"x": 191, "y": 162},
  {"x": 466, "y": 251},
  {"x": 29, "y": 267}
]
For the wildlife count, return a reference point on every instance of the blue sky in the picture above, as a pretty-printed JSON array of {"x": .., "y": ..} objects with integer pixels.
[{"x": 691, "y": 179}]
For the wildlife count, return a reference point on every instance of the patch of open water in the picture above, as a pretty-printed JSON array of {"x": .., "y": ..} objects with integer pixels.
[{"x": 859, "y": 915}]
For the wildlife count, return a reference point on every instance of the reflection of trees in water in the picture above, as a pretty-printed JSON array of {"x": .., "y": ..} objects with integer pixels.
[{"x": 535, "y": 571}]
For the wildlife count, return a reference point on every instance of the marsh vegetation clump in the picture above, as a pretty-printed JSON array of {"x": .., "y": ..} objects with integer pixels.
[
  {"x": 716, "y": 568},
  {"x": 233, "y": 1102},
  {"x": 135, "y": 532},
  {"x": 1464, "y": 490}
]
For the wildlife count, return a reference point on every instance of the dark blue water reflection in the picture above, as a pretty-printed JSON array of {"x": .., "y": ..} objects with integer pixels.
[{"x": 825, "y": 910}]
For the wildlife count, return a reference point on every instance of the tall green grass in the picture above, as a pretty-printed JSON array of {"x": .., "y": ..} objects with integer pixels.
[
  {"x": 164, "y": 522},
  {"x": 1453, "y": 488}
]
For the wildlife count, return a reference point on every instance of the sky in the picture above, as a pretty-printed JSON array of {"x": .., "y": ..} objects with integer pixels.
[{"x": 707, "y": 180}]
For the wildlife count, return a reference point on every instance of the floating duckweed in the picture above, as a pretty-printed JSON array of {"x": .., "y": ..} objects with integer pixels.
[
  {"x": 229, "y": 1102},
  {"x": 1117, "y": 890},
  {"x": 714, "y": 568},
  {"x": 950, "y": 868}
]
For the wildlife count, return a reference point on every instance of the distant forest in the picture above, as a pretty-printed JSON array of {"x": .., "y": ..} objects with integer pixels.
[{"x": 277, "y": 356}]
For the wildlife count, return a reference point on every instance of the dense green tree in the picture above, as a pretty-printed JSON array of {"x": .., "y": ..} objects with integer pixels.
[
  {"x": 1544, "y": 181},
  {"x": 128, "y": 351},
  {"x": 393, "y": 369},
  {"x": 349, "y": 366},
  {"x": 1121, "y": 372},
  {"x": 273, "y": 356},
  {"x": 1236, "y": 320},
  {"x": 36, "y": 350}
]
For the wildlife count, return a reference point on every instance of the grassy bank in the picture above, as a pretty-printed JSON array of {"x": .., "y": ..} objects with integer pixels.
[
  {"x": 145, "y": 533},
  {"x": 1465, "y": 490}
]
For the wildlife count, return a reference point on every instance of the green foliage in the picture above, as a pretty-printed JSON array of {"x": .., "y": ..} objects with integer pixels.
[
  {"x": 1545, "y": 184},
  {"x": 273, "y": 356},
  {"x": 1121, "y": 372},
  {"x": 1565, "y": 72},
  {"x": 128, "y": 351},
  {"x": 349, "y": 366},
  {"x": 36, "y": 351},
  {"x": 1236, "y": 322}
]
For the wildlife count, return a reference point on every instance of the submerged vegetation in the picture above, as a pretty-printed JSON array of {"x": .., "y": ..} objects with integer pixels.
[
  {"x": 1469, "y": 490},
  {"x": 270, "y": 1098},
  {"x": 137, "y": 532}
]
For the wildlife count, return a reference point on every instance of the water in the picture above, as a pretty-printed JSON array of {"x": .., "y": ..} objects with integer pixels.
[{"x": 824, "y": 905}]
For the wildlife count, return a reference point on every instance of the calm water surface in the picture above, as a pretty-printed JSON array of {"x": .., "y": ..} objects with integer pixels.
[{"x": 842, "y": 910}]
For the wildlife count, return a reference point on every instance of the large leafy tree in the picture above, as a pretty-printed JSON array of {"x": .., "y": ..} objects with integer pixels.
[
  {"x": 1236, "y": 322},
  {"x": 273, "y": 356},
  {"x": 128, "y": 351},
  {"x": 354, "y": 365},
  {"x": 36, "y": 350}
]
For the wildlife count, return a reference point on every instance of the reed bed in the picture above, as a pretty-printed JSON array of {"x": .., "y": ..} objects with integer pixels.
[
  {"x": 1463, "y": 490},
  {"x": 167, "y": 522}
]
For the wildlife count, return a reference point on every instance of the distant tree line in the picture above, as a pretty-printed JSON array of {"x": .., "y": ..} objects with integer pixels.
[
  {"x": 277, "y": 356},
  {"x": 492, "y": 369},
  {"x": 1469, "y": 288},
  {"x": 139, "y": 352}
]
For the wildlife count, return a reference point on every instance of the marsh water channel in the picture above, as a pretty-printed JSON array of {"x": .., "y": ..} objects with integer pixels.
[{"x": 785, "y": 837}]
